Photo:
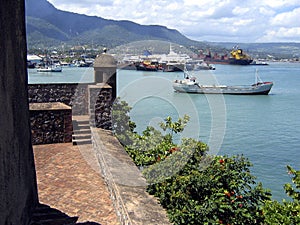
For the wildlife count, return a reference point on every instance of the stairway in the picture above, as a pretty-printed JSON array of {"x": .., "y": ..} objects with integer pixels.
[{"x": 81, "y": 130}]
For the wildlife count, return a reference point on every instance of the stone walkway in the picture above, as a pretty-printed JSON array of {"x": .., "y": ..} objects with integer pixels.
[{"x": 69, "y": 180}]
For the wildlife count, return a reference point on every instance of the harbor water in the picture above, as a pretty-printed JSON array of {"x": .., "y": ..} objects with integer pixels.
[{"x": 263, "y": 128}]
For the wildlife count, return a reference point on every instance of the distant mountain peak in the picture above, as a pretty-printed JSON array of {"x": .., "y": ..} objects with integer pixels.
[
  {"x": 39, "y": 8},
  {"x": 47, "y": 25}
]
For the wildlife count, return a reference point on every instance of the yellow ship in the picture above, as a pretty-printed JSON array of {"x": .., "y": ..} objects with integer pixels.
[{"x": 238, "y": 57}]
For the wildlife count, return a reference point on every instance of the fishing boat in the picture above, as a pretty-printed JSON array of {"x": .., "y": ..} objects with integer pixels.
[
  {"x": 199, "y": 65},
  {"x": 189, "y": 85},
  {"x": 54, "y": 68}
]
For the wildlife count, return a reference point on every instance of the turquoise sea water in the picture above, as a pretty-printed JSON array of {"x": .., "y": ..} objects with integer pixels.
[{"x": 265, "y": 129}]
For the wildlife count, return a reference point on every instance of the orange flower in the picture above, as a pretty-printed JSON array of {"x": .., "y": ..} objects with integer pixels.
[
  {"x": 227, "y": 194},
  {"x": 173, "y": 149}
]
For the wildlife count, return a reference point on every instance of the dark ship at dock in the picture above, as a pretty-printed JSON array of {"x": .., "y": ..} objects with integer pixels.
[{"x": 237, "y": 57}]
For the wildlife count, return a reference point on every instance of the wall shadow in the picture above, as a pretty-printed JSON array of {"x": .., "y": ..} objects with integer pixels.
[{"x": 44, "y": 215}]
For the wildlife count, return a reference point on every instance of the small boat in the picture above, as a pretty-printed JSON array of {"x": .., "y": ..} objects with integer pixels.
[
  {"x": 189, "y": 85},
  {"x": 258, "y": 63},
  {"x": 199, "y": 65},
  {"x": 55, "y": 68}
]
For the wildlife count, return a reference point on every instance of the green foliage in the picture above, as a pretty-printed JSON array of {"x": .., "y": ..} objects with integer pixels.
[
  {"x": 291, "y": 191},
  {"x": 175, "y": 127},
  {"x": 122, "y": 126},
  {"x": 182, "y": 156},
  {"x": 199, "y": 189},
  {"x": 286, "y": 212},
  {"x": 150, "y": 147},
  {"x": 224, "y": 192},
  {"x": 153, "y": 146}
]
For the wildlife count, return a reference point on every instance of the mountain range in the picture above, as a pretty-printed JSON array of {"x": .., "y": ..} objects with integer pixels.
[{"x": 48, "y": 27}]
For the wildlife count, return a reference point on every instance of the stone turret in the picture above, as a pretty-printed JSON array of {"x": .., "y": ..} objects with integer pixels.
[{"x": 105, "y": 71}]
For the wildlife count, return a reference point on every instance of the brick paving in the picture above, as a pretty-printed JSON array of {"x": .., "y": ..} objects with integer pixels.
[{"x": 69, "y": 180}]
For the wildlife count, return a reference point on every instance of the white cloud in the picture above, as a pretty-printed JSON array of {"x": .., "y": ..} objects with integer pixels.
[
  {"x": 266, "y": 11},
  {"x": 240, "y": 11},
  {"x": 212, "y": 20},
  {"x": 279, "y": 3},
  {"x": 281, "y": 35},
  {"x": 288, "y": 19}
]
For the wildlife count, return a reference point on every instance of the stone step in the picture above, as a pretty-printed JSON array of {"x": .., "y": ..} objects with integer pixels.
[
  {"x": 87, "y": 126},
  {"x": 81, "y": 130},
  {"x": 82, "y": 142},
  {"x": 81, "y": 118},
  {"x": 82, "y": 122},
  {"x": 81, "y": 136}
]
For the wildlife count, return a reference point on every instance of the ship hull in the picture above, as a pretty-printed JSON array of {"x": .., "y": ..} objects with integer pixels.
[
  {"x": 144, "y": 68},
  {"x": 237, "y": 57},
  {"x": 255, "y": 89},
  {"x": 234, "y": 61},
  {"x": 230, "y": 61}
]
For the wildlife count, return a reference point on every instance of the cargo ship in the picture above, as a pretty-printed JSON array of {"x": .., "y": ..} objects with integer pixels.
[
  {"x": 237, "y": 57},
  {"x": 189, "y": 85}
]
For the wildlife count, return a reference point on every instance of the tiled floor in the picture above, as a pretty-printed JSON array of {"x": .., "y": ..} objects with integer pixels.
[{"x": 69, "y": 180}]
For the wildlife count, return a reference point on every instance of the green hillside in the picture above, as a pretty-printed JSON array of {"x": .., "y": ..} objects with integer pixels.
[{"x": 49, "y": 27}]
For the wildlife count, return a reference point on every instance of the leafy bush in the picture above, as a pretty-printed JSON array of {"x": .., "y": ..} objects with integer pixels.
[
  {"x": 196, "y": 188},
  {"x": 150, "y": 147},
  {"x": 122, "y": 126},
  {"x": 286, "y": 212},
  {"x": 222, "y": 193}
]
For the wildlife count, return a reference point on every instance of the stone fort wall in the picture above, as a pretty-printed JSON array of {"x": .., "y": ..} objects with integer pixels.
[
  {"x": 74, "y": 95},
  {"x": 54, "y": 124}
]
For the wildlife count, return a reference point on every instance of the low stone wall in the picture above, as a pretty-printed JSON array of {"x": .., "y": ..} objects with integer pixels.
[
  {"x": 85, "y": 99},
  {"x": 50, "y": 123},
  {"x": 127, "y": 186},
  {"x": 71, "y": 94}
]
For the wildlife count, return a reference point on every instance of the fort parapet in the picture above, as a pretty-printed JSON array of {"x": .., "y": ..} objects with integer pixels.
[
  {"x": 50, "y": 123},
  {"x": 92, "y": 99}
]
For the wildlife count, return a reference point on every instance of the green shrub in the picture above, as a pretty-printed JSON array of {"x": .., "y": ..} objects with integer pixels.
[
  {"x": 286, "y": 212},
  {"x": 222, "y": 193},
  {"x": 196, "y": 188}
]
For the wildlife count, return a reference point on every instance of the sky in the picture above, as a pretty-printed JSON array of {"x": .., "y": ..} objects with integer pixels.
[{"x": 240, "y": 21}]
